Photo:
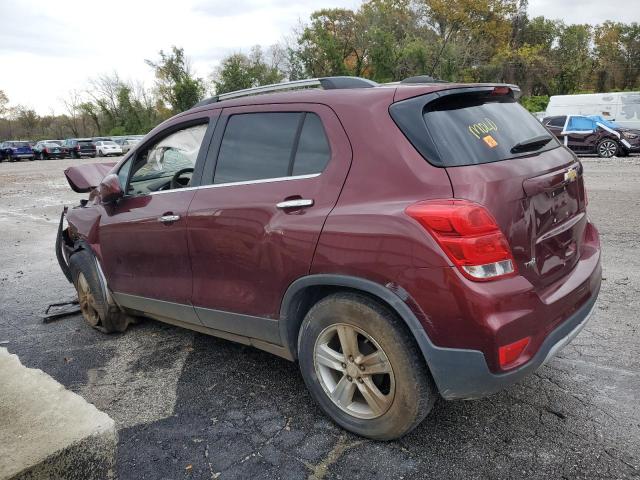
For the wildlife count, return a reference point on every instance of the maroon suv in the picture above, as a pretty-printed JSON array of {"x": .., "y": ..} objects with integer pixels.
[{"x": 400, "y": 242}]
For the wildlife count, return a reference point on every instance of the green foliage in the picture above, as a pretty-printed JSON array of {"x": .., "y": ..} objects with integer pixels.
[
  {"x": 239, "y": 71},
  {"x": 536, "y": 103},
  {"x": 175, "y": 83},
  {"x": 119, "y": 131}
]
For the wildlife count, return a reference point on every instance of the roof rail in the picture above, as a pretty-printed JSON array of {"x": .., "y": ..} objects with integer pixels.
[{"x": 326, "y": 83}]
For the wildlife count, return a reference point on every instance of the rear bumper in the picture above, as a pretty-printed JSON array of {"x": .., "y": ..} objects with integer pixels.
[{"x": 464, "y": 374}]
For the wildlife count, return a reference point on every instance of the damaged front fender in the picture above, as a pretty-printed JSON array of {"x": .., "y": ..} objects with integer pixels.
[{"x": 64, "y": 247}]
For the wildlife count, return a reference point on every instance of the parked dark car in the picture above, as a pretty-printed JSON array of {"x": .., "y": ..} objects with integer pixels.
[
  {"x": 594, "y": 135},
  {"x": 401, "y": 242},
  {"x": 47, "y": 149},
  {"x": 80, "y": 147},
  {"x": 16, "y": 150}
]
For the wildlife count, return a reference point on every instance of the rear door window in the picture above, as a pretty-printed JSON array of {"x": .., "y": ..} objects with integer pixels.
[
  {"x": 257, "y": 146},
  {"x": 471, "y": 128}
]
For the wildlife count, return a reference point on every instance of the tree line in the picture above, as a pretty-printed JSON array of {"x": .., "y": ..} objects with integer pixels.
[{"x": 384, "y": 40}]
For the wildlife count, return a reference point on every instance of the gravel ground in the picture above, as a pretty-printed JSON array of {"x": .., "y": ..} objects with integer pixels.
[{"x": 192, "y": 406}]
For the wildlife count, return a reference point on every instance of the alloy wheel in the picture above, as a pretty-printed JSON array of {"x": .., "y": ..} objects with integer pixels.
[
  {"x": 607, "y": 149},
  {"x": 87, "y": 301},
  {"x": 354, "y": 371}
]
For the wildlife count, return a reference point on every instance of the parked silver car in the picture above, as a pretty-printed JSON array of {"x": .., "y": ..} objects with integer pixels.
[{"x": 126, "y": 143}]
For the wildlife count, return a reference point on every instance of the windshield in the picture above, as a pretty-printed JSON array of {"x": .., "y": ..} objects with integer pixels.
[
  {"x": 476, "y": 128},
  {"x": 602, "y": 120},
  {"x": 111, "y": 144}
]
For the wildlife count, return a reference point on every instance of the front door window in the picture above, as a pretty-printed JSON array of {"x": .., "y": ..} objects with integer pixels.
[{"x": 168, "y": 164}]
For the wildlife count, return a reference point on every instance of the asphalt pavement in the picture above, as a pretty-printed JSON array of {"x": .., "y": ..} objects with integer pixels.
[{"x": 191, "y": 406}]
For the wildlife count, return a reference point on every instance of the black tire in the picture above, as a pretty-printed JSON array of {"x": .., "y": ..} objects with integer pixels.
[
  {"x": 414, "y": 392},
  {"x": 99, "y": 313},
  {"x": 607, "y": 148}
]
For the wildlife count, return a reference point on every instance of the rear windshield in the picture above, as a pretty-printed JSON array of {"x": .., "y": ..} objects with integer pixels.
[
  {"x": 471, "y": 128},
  {"x": 85, "y": 142},
  {"x": 474, "y": 129},
  {"x": 19, "y": 144}
]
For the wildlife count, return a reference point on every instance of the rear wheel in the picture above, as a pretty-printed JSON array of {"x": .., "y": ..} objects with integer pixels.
[
  {"x": 92, "y": 296},
  {"x": 607, "y": 148},
  {"x": 363, "y": 367}
]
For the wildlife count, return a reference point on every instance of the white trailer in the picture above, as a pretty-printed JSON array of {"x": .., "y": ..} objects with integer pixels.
[{"x": 621, "y": 107}]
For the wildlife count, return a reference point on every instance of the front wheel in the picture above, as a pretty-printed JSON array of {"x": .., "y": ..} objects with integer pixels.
[
  {"x": 92, "y": 296},
  {"x": 607, "y": 148},
  {"x": 363, "y": 367}
]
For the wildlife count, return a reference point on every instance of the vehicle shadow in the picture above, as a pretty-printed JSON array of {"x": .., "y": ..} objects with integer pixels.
[{"x": 242, "y": 413}]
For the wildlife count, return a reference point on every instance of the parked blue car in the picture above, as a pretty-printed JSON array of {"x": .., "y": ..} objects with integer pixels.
[{"x": 15, "y": 151}]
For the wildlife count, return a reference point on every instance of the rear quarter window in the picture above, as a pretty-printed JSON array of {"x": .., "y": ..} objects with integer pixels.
[{"x": 313, "y": 152}]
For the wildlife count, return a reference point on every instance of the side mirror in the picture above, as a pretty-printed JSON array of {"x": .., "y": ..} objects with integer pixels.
[{"x": 110, "y": 189}]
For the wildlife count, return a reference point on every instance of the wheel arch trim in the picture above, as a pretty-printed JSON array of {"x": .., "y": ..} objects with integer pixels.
[{"x": 289, "y": 326}]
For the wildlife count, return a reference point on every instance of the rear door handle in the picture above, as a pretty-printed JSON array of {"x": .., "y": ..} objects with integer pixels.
[
  {"x": 297, "y": 203},
  {"x": 169, "y": 218}
]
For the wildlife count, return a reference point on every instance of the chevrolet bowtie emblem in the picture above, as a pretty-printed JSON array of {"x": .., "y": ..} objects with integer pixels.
[{"x": 570, "y": 175}]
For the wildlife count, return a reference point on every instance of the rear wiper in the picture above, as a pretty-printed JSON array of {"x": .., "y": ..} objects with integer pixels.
[{"x": 531, "y": 144}]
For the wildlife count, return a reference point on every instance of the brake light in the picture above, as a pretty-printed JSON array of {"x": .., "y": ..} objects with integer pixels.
[
  {"x": 501, "y": 91},
  {"x": 509, "y": 354},
  {"x": 469, "y": 235}
]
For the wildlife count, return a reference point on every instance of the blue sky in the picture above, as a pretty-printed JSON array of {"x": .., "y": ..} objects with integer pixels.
[{"x": 48, "y": 48}]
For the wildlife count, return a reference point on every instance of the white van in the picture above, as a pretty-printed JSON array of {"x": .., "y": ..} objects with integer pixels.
[{"x": 621, "y": 107}]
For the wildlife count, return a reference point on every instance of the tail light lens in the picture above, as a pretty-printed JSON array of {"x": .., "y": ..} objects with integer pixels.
[
  {"x": 469, "y": 235},
  {"x": 509, "y": 354}
]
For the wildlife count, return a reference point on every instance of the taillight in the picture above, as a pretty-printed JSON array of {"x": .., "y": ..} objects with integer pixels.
[
  {"x": 469, "y": 235},
  {"x": 586, "y": 195},
  {"x": 509, "y": 354}
]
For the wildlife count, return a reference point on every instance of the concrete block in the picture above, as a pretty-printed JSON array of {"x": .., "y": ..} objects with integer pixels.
[{"x": 48, "y": 432}]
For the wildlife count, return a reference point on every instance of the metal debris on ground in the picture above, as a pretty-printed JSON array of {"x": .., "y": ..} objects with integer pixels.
[{"x": 56, "y": 311}]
